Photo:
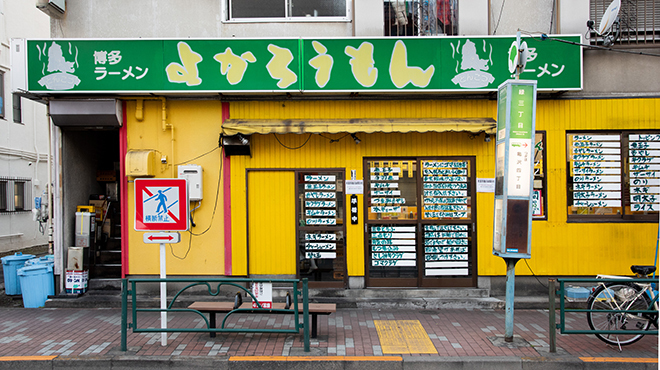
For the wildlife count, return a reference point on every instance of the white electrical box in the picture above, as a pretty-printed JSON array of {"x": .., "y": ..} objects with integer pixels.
[{"x": 192, "y": 173}]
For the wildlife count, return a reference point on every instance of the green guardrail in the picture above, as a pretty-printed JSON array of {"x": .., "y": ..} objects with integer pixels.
[
  {"x": 209, "y": 284},
  {"x": 563, "y": 310}
]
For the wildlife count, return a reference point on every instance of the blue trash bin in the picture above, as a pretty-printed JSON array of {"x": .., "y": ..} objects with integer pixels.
[
  {"x": 45, "y": 260},
  {"x": 36, "y": 284},
  {"x": 10, "y": 265}
]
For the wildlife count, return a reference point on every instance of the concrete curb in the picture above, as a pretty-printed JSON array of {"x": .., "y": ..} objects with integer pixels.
[{"x": 323, "y": 363}]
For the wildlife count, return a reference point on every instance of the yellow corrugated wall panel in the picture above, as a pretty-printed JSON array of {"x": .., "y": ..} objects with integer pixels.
[
  {"x": 558, "y": 247},
  {"x": 195, "y": 254},
  {"x": 271, "y": 223},
  {"x": 562, "y": 248},
  {"x": 318, "y": 151}
]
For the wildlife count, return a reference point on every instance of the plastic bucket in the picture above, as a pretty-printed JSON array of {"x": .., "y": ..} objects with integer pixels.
[
  {"x": 37, "y": 284},
  {"x": 10, "y": 265}
]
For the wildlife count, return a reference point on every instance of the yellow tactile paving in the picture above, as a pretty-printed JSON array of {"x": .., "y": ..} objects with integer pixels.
[
  {"x": 26, "y": 358},
  {"x": 620, "y": 359},
  {"x": 403, "y": 336}
]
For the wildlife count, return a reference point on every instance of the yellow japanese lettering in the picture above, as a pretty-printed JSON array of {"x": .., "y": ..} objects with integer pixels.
[
  {"x": 278, "y": 67},
  {"x": 362, "y": 64},
  {"x": 187, "y": 72},
  {"x": 234, "y": 66},
  {"x": 402, "y": 74},
  {"x": 322, "y": 63}
]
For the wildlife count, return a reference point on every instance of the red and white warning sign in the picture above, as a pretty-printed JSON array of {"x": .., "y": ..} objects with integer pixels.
[
  {"x": 263, "y": 292},
  {"x": 161, "y": 204}
]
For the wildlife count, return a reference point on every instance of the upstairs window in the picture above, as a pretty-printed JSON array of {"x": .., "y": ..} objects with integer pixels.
[
  {"x": 420, "y": 18},
  {"x": 3, "y": 195},
  {"x": 639, "y": 22},
  {"x": 17, "y": 108},
  {"x": 15, "y": 194},
  {"x": 288, "y": 10}
]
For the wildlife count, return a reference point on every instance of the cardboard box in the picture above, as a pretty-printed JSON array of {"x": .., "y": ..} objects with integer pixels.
[
  {"x": 76, "y": 281},
  {"x": 99, "y": 208},
  {"x": 108, "y": 176}
]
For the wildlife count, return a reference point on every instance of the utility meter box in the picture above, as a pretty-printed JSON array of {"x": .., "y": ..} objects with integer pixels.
[
  {"x": 141, "y": 163},
  {"x": 192, "y": 173}
]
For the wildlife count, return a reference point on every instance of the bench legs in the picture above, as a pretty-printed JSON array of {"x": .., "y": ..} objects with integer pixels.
[
  {"x": 314, "y": 324},
  {"x": 212, "y": 323},
  {"x": 315, "y": 320}
]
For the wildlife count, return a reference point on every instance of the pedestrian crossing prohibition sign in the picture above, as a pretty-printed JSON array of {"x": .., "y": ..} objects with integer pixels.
[{"x": 161, "y": 204}]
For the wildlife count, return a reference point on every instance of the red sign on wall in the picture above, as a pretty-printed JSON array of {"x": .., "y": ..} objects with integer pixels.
[{"x": 161, "y": 205}]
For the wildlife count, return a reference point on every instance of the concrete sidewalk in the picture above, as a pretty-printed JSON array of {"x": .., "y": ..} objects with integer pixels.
[{"x": 459, "y": 338}]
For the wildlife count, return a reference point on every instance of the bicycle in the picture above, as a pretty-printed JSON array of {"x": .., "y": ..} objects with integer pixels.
[{"x": 622, "y": 304}]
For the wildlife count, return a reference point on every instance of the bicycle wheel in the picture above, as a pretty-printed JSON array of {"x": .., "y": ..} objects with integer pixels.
[{"x": 618, "y": 296}]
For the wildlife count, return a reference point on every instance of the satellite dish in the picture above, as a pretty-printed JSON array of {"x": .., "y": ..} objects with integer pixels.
[{"x": 609, "y": 18}]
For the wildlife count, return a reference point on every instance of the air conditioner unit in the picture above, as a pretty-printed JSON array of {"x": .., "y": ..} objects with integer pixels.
[{"x": 54, "y": 8}]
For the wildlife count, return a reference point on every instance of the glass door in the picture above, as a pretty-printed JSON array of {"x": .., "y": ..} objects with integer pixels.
[
  {"x": 320, "y": 228},
  {"x": 420, "y": 222}
]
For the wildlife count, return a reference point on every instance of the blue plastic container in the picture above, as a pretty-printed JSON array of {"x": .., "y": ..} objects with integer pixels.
[
  {"x": 36, "y": 284},
  {"x": 45, "y": 260},
  {"x": 10, "y": 265}
]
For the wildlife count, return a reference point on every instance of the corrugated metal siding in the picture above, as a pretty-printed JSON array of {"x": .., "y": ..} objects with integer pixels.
[
  {"x": 558, "y": 248},
  {"x": 319, "y": 152},
  {"x": 271, "y": 223},
  {"x": 561, "y": 248}
]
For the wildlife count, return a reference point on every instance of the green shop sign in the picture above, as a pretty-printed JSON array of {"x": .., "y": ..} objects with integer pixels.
[{"x": 429, "y": 64}]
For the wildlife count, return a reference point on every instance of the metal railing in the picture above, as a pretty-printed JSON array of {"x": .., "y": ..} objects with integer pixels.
[
  {"x": 553, "y": 292},
  {"x": 209, "y": 283}
]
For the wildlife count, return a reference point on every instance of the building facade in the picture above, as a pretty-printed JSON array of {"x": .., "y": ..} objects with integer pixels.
[
  {"x": 23, "y": 138},
  {"x": 352, "y": 144}
]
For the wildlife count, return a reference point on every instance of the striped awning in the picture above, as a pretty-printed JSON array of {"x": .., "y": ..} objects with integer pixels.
[{"x": 267, "y": 126}]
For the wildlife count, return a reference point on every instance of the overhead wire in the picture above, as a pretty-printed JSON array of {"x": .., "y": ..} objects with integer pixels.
[
  {"x": 499, "y": 18},
  {"x": 215, "y": 207},
  {"x": 291, "y": 148},
  {"x": 545, "y": 37}
]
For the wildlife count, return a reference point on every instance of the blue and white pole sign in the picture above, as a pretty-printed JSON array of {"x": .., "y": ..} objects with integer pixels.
[{"x": 514, "y": 169}]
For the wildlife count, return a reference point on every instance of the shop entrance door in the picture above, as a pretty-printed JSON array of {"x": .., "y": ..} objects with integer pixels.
[
  {"x": 421, "y": 219},
  {"x": 321, "y": 231},
  {"x": 296, "y": 225}
]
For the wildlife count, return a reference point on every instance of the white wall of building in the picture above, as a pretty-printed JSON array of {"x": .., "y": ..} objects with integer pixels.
[
  {"x": 23, "y": 146},
  {"x": 178, "y": 18}
]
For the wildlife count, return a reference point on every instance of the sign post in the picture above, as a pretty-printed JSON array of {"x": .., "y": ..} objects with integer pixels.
[
  {"x": 161, "y": 204},
  {"x": 514, "y": 172}
]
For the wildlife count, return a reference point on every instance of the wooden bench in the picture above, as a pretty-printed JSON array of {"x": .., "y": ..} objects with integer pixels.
[{"x": 212, "y": 308}]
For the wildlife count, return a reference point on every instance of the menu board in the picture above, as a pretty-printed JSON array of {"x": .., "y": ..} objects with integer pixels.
[
  {"x": 445, "y": 189},
  {"x": 596, "y": 170},
  {"x": 320, "y": 206},
  {"x": 644, "y": 172},
  {"x": 446, "y": 250},
  {"x": 320, "y": 245},
  {"x": 393, "y": 246}
]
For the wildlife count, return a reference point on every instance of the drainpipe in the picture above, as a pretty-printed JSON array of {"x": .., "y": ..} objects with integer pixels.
[
  {"x": 49, "y": 189},
  {"x": 139, "y": 115}
]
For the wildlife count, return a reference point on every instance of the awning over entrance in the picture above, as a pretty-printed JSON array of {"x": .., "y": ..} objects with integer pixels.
[{"x": 256, "y": 126}]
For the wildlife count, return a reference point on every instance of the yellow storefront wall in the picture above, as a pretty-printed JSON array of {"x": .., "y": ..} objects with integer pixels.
[
  {"x": 196, "y": 128},
  {"x": 558, "y": 247}
]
